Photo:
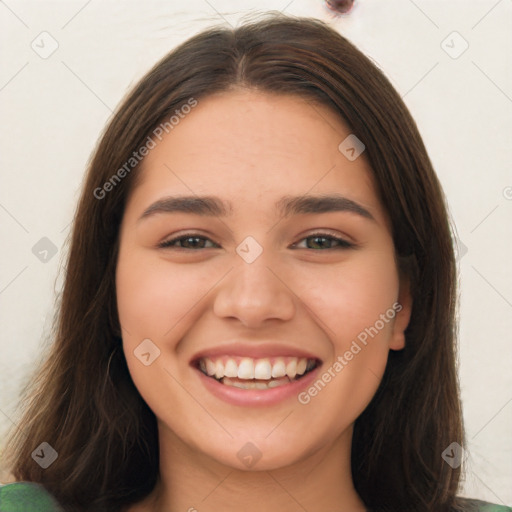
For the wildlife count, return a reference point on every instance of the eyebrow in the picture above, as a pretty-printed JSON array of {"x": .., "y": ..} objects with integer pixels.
[{"x": 288, "y": 205}]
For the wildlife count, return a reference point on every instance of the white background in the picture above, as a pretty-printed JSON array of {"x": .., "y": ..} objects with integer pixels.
[{"x": 54, "y": 109}]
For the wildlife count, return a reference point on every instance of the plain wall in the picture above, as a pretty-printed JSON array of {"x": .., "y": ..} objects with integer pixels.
[{"x": 54, "y": 109}]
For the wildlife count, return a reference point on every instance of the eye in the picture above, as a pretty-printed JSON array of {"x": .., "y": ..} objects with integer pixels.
[
  {"x": 324, "y": 241},
  {"x": 189, "y": 241},
  {"x": 316, "y": 241}
]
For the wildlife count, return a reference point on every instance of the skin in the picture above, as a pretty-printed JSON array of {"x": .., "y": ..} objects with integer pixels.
[{"x": 252, "y": 149}]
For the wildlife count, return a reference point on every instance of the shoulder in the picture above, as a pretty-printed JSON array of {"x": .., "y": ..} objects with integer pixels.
[
  {"x": 26, "y": 497},
  {"x": 470, "y": 505}
]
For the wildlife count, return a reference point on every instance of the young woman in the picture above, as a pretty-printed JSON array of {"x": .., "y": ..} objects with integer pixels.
[{"x": 258, "y": 311}]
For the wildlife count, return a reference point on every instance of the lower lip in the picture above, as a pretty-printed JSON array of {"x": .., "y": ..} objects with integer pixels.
[{"x": 255, "y": 397}]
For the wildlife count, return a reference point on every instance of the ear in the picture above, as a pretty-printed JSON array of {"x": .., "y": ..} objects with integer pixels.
[{"x": 403, "y": 308}]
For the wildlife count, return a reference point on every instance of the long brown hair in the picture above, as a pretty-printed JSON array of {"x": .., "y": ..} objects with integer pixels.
[{"x": 84, "y": 403}]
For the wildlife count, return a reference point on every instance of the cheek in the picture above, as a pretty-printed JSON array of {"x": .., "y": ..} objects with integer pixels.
[
  {"x": 156, "y": 302},
  {"x": 352, "y": 297},
  {"x": 153, "y": 296},
  {"x": 356, "y": 304}
]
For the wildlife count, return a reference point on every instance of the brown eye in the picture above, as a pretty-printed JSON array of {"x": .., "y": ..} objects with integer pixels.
[
  {"x": 188, "y": 242},
  {"x": 340, "y": 6},
  {"x": 319, "y": 241}
]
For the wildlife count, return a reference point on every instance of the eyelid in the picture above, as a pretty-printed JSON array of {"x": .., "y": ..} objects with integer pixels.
[
  {"x": 166, "y": 242},
  {"x": 326, "y": 233},
  {"x": 343, "y": 242}
]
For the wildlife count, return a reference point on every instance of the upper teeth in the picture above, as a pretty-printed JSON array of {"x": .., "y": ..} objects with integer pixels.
[{"x": 248, "y": 368}]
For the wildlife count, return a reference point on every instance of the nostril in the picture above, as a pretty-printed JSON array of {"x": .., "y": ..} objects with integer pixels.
[{"x": 340, "y": 6}]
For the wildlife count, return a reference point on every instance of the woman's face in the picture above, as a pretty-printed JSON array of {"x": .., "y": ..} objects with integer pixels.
[{"x": 276, "y": 276}]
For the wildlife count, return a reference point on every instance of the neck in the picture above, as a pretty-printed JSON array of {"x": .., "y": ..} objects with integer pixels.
[{"x": 191, "y": 481}]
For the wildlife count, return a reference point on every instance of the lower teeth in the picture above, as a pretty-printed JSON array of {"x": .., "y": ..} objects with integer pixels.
[{"x": 255, "y": 384}]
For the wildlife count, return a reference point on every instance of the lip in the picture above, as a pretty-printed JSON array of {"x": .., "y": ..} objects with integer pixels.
[
  {"x": 257, "y": 397},
  {"x": 254, "y": 351}
]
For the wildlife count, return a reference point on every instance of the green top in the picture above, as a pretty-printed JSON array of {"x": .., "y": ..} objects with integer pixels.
[
  {"x": 26, "y": 497},
  {"x": 483, "y": 506},
  {"x": 30, "y": 497}
]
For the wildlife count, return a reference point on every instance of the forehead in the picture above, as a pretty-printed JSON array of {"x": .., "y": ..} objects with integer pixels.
[{"x": 256, "y": 147}]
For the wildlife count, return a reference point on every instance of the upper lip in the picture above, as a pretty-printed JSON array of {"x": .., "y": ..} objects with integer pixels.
[{"x": 254, "y": 350}]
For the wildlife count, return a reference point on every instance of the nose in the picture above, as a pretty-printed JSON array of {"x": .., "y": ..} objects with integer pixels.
[{"x": 254, "y": 293}]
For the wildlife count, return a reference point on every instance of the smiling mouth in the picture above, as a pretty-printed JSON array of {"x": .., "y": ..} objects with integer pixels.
[{"x": 261, "y": 373}]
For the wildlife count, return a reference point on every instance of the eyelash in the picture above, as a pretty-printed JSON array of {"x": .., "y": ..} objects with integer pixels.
[{"x": 342, "y": 243}]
